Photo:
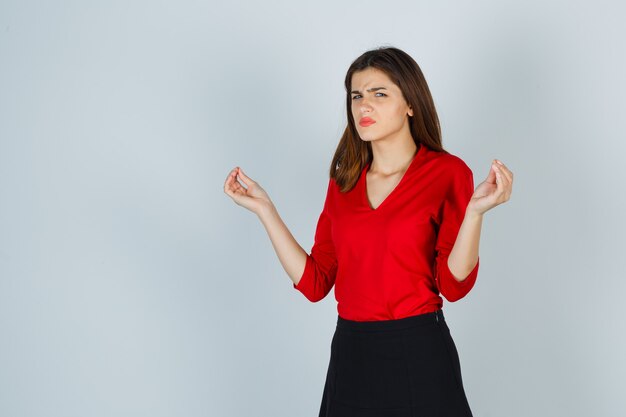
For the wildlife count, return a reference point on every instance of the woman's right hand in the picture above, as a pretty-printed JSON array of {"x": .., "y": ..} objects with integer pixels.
[{"x": 254, "y": 198}]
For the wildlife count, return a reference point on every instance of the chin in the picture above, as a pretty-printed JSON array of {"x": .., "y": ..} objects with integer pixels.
[{"x": 368, "y": 137}]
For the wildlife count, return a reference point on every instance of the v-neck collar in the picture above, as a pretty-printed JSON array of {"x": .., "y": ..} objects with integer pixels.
[{"x": 364, "y": 195}]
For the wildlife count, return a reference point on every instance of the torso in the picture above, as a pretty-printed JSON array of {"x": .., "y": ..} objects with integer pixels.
[{"x": 379, "y": 188}]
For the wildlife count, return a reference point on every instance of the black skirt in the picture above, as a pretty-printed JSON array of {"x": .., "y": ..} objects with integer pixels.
[{"x": 394, "y": 368}]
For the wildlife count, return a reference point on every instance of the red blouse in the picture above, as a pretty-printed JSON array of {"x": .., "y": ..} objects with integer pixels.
[{"x": 391, "y": 262}]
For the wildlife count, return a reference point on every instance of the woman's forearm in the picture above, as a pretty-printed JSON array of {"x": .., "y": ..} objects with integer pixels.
[
  {"x": 291, "y": 255},
  {"x": 464, "y": 254}
]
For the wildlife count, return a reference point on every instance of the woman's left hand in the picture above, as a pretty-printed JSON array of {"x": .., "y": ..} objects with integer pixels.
[{"x": 495, "y": 190}]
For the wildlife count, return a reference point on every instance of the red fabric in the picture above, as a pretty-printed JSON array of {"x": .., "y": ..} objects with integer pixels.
[{"x": 391, "y": 262}]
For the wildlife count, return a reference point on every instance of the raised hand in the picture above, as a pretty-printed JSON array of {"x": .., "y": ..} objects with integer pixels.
[
  {"x": 254, "y": 197},
  {"x": 495, "y": 190}
]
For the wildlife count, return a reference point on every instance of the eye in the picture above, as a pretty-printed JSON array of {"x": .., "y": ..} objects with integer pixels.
[{"x": 358, "y": 95}]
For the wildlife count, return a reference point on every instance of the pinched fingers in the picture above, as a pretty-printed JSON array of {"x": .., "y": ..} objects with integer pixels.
[
  {"x": 247, "y": 180},
  {"x": 504, "y": 180},
  {"x": 231, "y": 185},
  {"x": 505, "y": 170}
]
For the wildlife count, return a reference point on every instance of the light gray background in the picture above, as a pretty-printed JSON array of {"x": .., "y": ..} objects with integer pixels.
[{"x": 131, "y": 285}]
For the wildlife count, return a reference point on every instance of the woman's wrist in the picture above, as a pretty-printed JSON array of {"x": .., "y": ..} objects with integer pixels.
[
  {"x": 266, "y": 210},
  {"x": 473, "y": 215}
]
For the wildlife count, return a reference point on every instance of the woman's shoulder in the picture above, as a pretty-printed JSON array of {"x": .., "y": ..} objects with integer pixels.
[{"x": 450, "y": 163}]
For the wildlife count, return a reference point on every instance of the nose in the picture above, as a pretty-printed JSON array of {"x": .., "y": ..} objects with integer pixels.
[{"x": 364, "y": 106}]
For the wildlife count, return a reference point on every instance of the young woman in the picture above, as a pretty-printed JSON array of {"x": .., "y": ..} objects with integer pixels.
[{"x": 400, "y": 227}]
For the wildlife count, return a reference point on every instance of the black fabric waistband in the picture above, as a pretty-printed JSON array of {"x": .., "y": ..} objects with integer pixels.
[{"x": 386, "y": 325}]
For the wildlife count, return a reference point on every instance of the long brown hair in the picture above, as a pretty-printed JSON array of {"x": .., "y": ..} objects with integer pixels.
[{"x": 352, "y": 153}]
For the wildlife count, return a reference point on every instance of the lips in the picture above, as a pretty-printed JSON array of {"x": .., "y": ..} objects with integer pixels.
[{"x": 366, "y": 121}]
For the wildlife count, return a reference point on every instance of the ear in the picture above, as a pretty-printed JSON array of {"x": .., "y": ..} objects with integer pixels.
[{"x": 410, "y": 112}]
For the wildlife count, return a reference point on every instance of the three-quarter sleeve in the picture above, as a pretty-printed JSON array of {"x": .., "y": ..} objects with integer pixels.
[
  {"x": 451, "y": 216},
  {"x": 321, "y": 263}
]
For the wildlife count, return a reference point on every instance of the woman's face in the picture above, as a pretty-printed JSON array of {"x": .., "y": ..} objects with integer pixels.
[{"x": 376, "y": 97}]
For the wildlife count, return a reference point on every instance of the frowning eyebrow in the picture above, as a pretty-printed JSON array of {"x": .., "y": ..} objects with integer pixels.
[{"x": 371, "y": 89}]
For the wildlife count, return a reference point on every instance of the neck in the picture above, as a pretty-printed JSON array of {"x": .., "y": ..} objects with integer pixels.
[{"x": 391, "y": 159}]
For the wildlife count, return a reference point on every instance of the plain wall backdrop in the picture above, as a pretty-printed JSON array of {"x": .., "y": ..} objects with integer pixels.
[{"x": 131, "y": 285}]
